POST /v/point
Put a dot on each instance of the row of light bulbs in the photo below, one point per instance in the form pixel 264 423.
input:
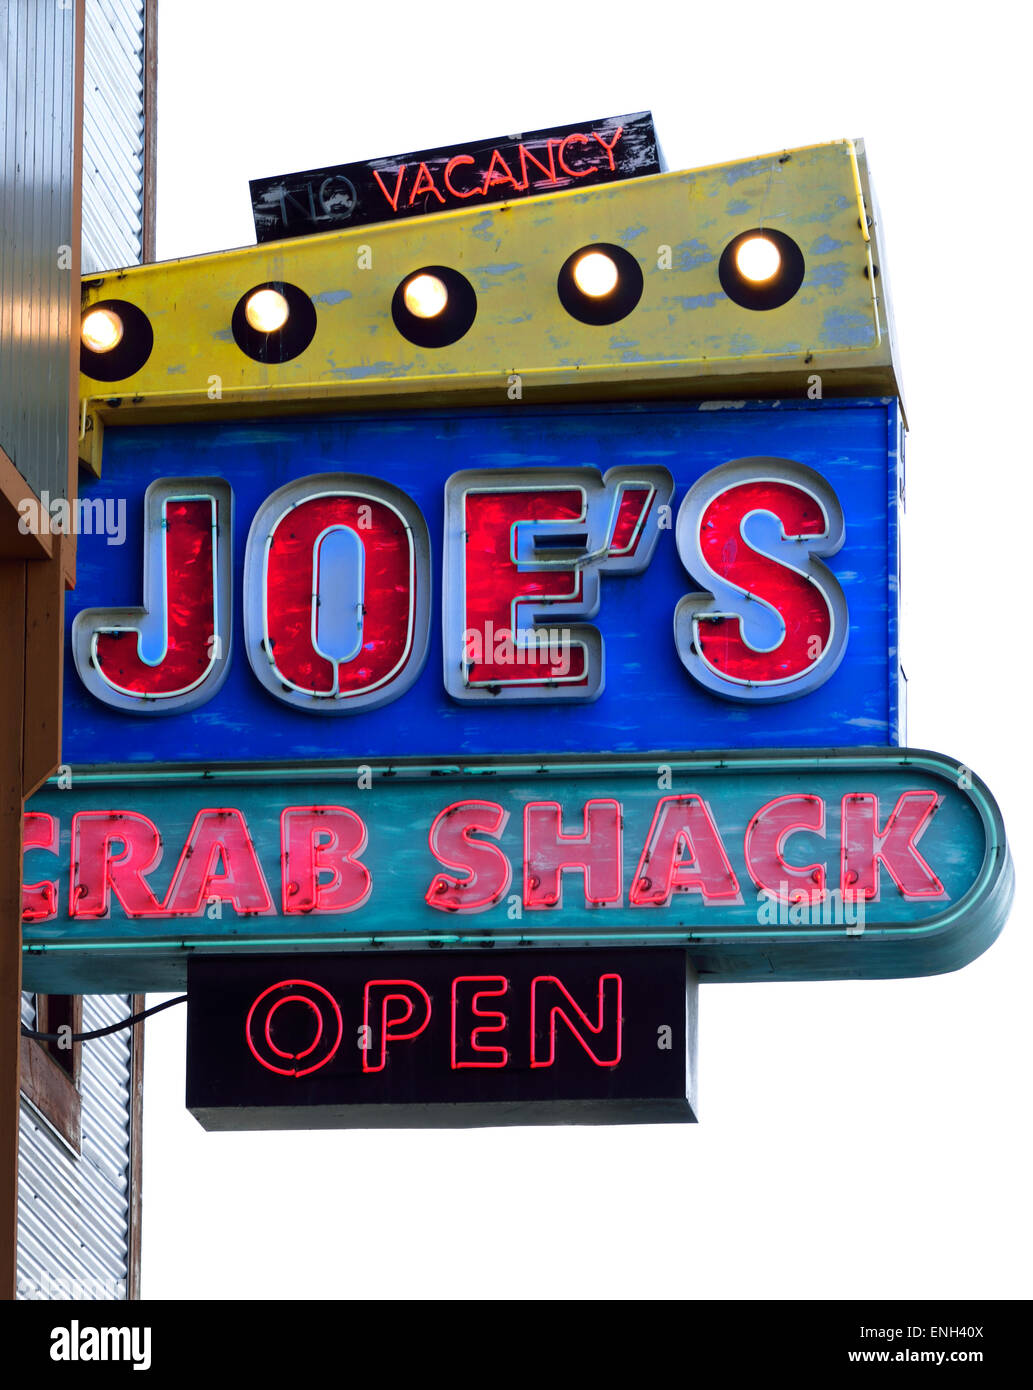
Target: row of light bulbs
pixel 595 274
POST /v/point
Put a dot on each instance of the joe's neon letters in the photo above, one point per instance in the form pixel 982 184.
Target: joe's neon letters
pixel 338 578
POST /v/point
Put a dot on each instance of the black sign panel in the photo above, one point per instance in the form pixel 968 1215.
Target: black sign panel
pixel 441 1039
pixel 455 176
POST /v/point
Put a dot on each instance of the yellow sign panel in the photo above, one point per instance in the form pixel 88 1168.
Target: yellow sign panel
pixel 684 293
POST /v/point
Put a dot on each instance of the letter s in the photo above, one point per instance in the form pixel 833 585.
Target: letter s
pixel 773 622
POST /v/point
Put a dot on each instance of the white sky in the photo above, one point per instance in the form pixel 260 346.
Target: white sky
pixel 858 1140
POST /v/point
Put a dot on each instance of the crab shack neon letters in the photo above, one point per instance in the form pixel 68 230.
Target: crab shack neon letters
pixel 337 587
pixel 114 852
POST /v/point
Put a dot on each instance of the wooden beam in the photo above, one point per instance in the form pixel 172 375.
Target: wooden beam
pixel 20 505
pixel 44 668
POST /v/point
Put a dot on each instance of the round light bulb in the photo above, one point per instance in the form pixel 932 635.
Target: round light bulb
pixel 425 296
pixel 758 259
pixel 266 311
pixel 595 274
pixel 101 330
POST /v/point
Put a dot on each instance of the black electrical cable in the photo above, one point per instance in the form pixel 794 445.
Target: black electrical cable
pixel 102 1032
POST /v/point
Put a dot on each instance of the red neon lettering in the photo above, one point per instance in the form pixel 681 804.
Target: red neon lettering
pixel 610 1021
pixel 188 607
pixel 596 852
pixel 492 1056
pixel 405 992
pixel 864 846
pixel 95 868
pixel 490 178
pixel 574 173
pixel 398 187
pixel 496 588
pixel 311 645
pixel 264 1032
pixel 457 193
pixel 801 605
pixel 218 836
pixel 317 840
pixel 683 823
pixel 424 184
pixel 39 900
pixel 488 870
pixel 631 515
pixel 609 148
pixel 765 840
pixel 549 170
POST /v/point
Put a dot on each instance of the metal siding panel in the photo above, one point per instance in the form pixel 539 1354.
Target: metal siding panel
pixel 113 135
pixel 73 1222
pixel 37 52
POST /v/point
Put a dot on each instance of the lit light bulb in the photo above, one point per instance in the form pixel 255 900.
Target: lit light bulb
pixel 425 296
pixel 266 311
pixel 758 259
pixel 101 330
pixel 595 274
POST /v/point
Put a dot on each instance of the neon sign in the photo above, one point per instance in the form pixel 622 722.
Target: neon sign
pixel 868 861
pixel 454 176
pixel 671 572
pixel 337 588
pixel 411 1040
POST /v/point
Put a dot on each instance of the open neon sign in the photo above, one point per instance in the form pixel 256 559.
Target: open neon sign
pixel 337 587
pixel 411 1039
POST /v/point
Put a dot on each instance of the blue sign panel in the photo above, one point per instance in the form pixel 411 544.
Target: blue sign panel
pixel 456 584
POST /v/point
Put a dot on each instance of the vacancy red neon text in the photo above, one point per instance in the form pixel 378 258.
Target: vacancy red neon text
pixel 559 160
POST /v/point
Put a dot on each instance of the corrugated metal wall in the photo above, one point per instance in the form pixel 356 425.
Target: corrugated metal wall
pixel 113 135
pixel 73 1215
pixel 73 1211
pixel 37 129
